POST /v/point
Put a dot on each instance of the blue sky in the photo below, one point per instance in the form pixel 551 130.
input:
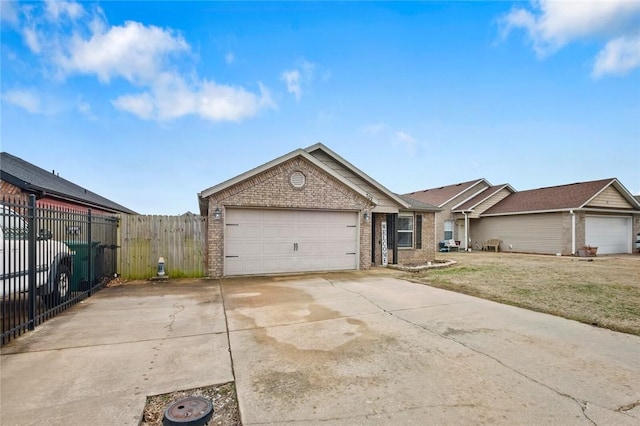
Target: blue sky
pixel 149 103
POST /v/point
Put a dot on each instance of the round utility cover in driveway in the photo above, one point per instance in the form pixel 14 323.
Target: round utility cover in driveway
pixel 193 411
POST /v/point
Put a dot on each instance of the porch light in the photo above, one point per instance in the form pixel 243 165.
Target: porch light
pixel 367 216
pixel 217 214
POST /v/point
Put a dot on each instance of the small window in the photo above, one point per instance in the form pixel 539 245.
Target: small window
pixel 448 230
pixel 405 231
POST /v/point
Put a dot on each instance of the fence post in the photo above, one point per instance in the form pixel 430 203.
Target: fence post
pixel 89 247
pixel 31 259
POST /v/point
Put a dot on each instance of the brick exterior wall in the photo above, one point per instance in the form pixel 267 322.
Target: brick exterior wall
pixel 427 253
pixel 409 256
pixel 272 189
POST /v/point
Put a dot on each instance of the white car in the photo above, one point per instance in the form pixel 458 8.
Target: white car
pixel 53 261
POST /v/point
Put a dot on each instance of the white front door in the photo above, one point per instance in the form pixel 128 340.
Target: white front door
pixel 263 241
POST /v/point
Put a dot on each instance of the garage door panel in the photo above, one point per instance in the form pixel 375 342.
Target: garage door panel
pixel 611 234
pixel 277 231
pixel 249 231
pixel 276 241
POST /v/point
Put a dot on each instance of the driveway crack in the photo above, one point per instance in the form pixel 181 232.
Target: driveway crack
pixel 626 408
pixel 582 404
pixel 172 317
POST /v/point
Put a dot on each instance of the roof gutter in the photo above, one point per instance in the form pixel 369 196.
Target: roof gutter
pixel 586 209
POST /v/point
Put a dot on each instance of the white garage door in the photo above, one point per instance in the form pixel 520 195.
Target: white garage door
pixel 609 234
pixel 277 241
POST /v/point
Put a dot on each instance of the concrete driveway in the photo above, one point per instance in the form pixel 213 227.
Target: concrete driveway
pixel 330 349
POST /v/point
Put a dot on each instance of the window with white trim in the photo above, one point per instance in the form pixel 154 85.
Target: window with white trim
pixel 448 230
pixel 405 231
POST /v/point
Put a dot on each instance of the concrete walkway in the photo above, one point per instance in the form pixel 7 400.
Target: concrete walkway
pixel 330 349
pixel 96 363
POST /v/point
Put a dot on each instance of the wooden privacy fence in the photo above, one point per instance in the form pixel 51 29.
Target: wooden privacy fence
pixel 180 240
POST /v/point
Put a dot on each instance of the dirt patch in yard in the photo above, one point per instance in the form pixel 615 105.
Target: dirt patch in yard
pixel 602 291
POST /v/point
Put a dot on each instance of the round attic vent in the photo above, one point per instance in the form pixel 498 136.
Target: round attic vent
pixel 297 179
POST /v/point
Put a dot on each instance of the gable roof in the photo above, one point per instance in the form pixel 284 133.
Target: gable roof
pixel 481 197
pixel 418 206
pixel 202 196
pixel 557 198
pixel 306 153
pixel 444 194
pixel 395 197
pixel 31 178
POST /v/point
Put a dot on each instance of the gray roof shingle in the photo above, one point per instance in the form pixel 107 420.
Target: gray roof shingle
pixel 440 196
pixel 33 178
pixel 553 198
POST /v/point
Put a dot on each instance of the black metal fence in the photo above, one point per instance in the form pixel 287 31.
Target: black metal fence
pixel 51 258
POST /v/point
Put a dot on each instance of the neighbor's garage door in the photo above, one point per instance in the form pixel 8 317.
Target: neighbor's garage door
pixel 609 234
pixel 274 241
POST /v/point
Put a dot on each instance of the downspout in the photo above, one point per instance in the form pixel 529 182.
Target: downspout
pixel 466 231
pixel 573 232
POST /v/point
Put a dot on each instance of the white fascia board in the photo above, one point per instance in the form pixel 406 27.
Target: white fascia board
pixel 526 212
pixel 298 152
pixel 468 198
pixel 458 194
pixel 617 211
pixel 621 189
pixel 483 199
pixel 358 172
pixel 587 209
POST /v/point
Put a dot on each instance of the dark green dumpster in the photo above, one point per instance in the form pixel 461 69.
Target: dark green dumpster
pixel 80 275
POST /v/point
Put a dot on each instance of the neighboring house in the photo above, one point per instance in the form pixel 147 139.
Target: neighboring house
pixel 449 225
pixel 19 179
pixel 559 219
pixel 311 210
pixel 562 219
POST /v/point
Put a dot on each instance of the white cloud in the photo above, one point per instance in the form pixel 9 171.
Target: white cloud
pixel 301 75
pixel 24 99
pixel 292 80
pixel 619 57
pixel 134 51
pixel 552 24
pixel 72 40
pixel 141 105
pixel 57 9
pixel 229 58
pixel 406 140
pixel 172 97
